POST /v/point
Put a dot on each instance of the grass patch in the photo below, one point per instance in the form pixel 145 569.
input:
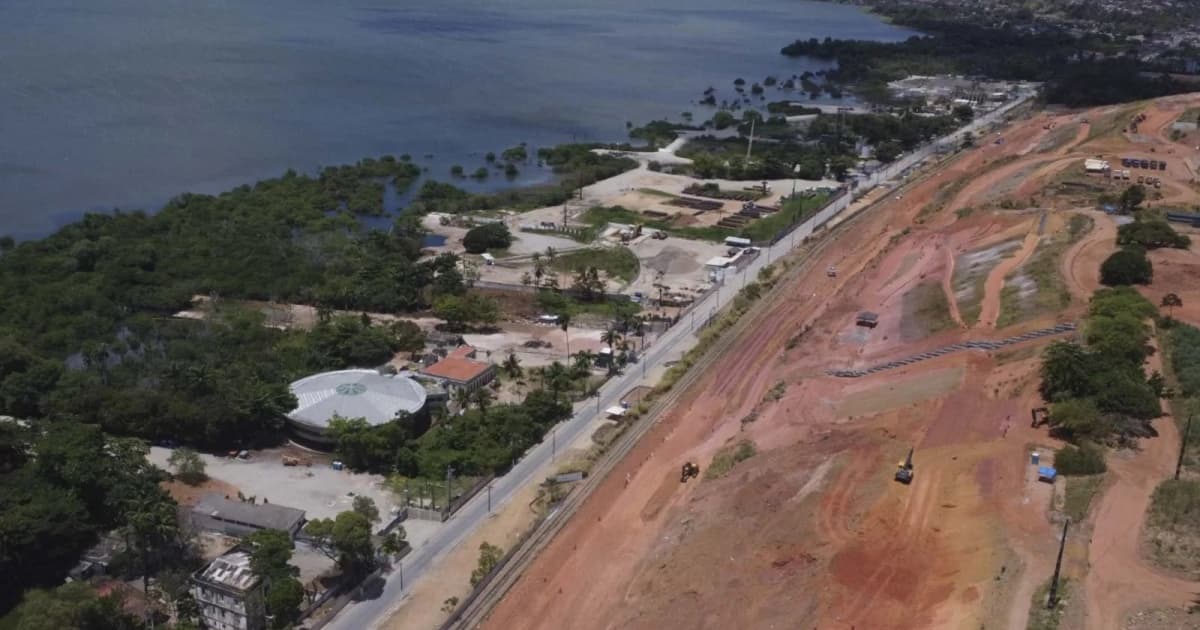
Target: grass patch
pixel 728 457
pixel 971 270
pixel 1113 122
pixel 1058 138
pixel 776 392
pixel 657 193
pixel 1041 617
pixel 926 311
pixel 1079 495
pixel 794 211
pixel 616 262
pixel 1173 529
pixel 597 217
pixel 1046 292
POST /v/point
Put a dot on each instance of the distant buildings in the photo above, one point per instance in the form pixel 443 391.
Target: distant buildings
pixel 235 517
pixel 229 594
pixel 460 370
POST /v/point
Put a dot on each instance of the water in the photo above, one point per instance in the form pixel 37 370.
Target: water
pixel 126 103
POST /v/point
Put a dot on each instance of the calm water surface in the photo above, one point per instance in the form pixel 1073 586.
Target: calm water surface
pixel 107 103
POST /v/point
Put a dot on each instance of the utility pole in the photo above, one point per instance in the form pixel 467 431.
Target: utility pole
pixel 489 489
pixel 1183 447
pixel 554 444
pixel 449 472
pixel 1062 544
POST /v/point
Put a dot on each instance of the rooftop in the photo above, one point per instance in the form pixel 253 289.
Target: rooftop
pixel 457 369
pixel 355 394
pixel 263 515
pixel 231 570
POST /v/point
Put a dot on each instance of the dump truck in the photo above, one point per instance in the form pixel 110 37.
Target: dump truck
pixel 904 469
pixel 688 471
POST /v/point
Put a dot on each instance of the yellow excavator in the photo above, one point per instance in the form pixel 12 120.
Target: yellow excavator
pixel 904 469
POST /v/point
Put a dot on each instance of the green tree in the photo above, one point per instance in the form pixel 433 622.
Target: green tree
pixel 365 506
pixel 152 529
pixel 1151 234
pixel 512 365
pixel 1132 197
pixel 469 310
pixel 188 465
pixel 73 605
pixel 1066 372
pixel 489 557
pixel 1125 267
pixel 481 238
pixel 270 559
pixel 394 542
pixel 1171 301
pixel 964 113
pixel 1078 418
pixel 347 539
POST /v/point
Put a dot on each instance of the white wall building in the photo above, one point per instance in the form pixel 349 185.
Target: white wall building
pixel 229 594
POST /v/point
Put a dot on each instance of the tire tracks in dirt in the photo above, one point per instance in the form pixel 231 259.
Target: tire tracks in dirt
pixel 993 286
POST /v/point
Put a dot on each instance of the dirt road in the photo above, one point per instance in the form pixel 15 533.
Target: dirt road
pixel 1120 579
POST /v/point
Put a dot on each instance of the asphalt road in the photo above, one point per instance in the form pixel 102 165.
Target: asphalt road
pixel 371 613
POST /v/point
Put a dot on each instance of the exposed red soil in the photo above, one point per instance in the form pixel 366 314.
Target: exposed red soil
pixel 812 531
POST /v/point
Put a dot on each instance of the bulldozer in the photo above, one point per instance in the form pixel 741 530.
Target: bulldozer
pixel 688 471
pixel 904 469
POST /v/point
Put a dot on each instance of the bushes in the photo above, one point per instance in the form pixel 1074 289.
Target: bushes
pixel 1184 342
pixel 481 238
pixel 1125 267
pixel 1095 388
pixel 1151 234
pixel 1080 460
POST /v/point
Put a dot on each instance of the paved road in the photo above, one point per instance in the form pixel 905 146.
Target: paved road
pixel 371 613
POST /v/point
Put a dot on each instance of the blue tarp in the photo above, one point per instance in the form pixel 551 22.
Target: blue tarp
pixel 1047 473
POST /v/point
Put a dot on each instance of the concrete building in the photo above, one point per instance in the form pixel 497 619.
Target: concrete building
pixel 460 370
pixel 235 517
pixel 378 398
pixel 229 594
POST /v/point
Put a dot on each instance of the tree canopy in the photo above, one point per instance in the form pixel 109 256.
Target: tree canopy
pixel 1127 266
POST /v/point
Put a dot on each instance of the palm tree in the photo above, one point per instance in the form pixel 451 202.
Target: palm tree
pixel 482 397
pixel 583 362
pixel 152 524
pixel 1170 301
pixel 512 365
pixel 564 322
pixel 610 337
pixel 462 398
pixel 555 376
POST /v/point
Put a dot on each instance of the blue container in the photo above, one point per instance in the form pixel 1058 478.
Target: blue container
pixel 1034 458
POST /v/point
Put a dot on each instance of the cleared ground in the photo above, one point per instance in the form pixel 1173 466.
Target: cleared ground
pixel 811 527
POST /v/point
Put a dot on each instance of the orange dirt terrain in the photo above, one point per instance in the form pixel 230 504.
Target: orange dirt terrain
pixel 812 531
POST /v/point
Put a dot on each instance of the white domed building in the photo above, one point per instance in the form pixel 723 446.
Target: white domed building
pixel 378 398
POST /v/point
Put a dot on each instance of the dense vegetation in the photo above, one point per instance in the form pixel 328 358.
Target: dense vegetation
pixel 481 238
pixel 1127 266
pixel 575 165
pixel 1074 73
pixel 1151 233
pixel 485 439
pixel 826 147
pixel 1099 389
pixel 61 485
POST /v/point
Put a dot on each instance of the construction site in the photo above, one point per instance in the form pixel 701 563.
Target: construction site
pixel 858 451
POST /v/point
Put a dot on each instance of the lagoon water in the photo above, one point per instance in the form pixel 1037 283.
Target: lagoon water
pixel 125 103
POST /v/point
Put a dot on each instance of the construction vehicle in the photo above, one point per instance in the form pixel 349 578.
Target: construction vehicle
pixel 1039 415
pixel 831 271
pixel 904 469
pixel 688 471
pixel 659 234
pixel 289 460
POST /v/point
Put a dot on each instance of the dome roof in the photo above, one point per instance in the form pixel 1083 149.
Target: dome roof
pixel 354 394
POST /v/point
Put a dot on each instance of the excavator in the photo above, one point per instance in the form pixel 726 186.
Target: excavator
pixel 1040 416
pixel 904 469
pixel 688 471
